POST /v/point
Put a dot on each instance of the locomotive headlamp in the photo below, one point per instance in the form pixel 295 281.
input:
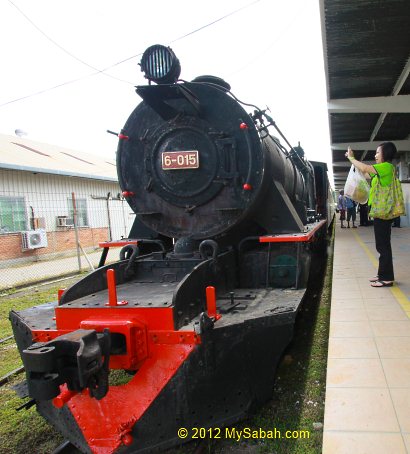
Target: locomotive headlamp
pixel 160 65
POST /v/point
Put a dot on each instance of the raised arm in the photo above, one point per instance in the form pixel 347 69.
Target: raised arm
pixel 365 168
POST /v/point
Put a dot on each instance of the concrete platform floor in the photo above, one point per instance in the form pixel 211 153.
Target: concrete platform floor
pixel 367 408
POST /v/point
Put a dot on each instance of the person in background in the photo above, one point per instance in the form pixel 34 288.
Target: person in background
pixel 382 228
pixel 364 214
pixel 341 206
pixel 351 212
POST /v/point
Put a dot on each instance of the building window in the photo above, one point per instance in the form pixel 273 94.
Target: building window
pixel 12 214
pixel 82 216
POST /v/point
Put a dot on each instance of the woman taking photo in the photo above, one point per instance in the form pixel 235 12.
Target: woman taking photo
pixel 385 172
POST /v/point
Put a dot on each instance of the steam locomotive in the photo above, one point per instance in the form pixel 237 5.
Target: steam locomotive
pixel 203 300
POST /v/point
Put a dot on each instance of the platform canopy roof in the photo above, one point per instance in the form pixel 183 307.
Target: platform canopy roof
pixel 366 47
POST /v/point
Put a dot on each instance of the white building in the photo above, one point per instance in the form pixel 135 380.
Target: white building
pixel 39 186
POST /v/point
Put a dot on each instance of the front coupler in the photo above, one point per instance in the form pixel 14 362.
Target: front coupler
pixel 79 358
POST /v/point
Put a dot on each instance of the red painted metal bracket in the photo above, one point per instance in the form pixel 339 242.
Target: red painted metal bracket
pixel 174 337
pixel 302 237
pixel 118 243
pixel 135 335
pixel 106 247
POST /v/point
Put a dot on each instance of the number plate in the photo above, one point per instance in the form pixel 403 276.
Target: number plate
pixel 172 160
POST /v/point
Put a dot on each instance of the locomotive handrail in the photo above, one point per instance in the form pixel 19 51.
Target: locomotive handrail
pixel 270 120
pixel 129 252
pixel 245 130
pixel 245 240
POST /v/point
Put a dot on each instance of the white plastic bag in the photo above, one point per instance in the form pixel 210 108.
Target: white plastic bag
pixel 356 187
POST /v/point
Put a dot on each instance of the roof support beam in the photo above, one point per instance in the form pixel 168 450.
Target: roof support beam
pixel 402 145
pixel 396 90
pixel 380 104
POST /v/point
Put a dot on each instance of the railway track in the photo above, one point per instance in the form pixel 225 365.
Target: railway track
pixel 66 448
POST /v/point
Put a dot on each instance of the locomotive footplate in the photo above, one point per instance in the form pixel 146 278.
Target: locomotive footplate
pixel 243 305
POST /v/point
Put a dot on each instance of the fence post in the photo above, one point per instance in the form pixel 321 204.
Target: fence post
pixel 109 217
pixel 77 242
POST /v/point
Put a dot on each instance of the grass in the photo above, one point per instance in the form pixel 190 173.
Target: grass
pixel 21 430
pixel 10 358
pixel 297 404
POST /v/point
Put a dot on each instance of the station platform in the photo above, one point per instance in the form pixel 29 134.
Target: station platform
pixel 367 407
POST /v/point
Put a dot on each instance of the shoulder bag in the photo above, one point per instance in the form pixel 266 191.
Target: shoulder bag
pixel 388 201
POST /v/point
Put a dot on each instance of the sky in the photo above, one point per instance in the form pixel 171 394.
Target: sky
pixel 69 68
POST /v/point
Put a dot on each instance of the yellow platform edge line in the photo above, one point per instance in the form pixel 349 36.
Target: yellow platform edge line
pixel 396 291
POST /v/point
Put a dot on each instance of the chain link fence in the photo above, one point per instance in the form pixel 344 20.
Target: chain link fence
pixel 47 235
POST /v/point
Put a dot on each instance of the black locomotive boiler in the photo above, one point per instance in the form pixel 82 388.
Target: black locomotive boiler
pixel 203 300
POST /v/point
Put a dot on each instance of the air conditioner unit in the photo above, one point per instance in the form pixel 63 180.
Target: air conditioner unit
pixel 64 221
pixel 61 221
pixel 34 239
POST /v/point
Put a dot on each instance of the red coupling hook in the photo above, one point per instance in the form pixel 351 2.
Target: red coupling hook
pixel 243 126
pixel 247 187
